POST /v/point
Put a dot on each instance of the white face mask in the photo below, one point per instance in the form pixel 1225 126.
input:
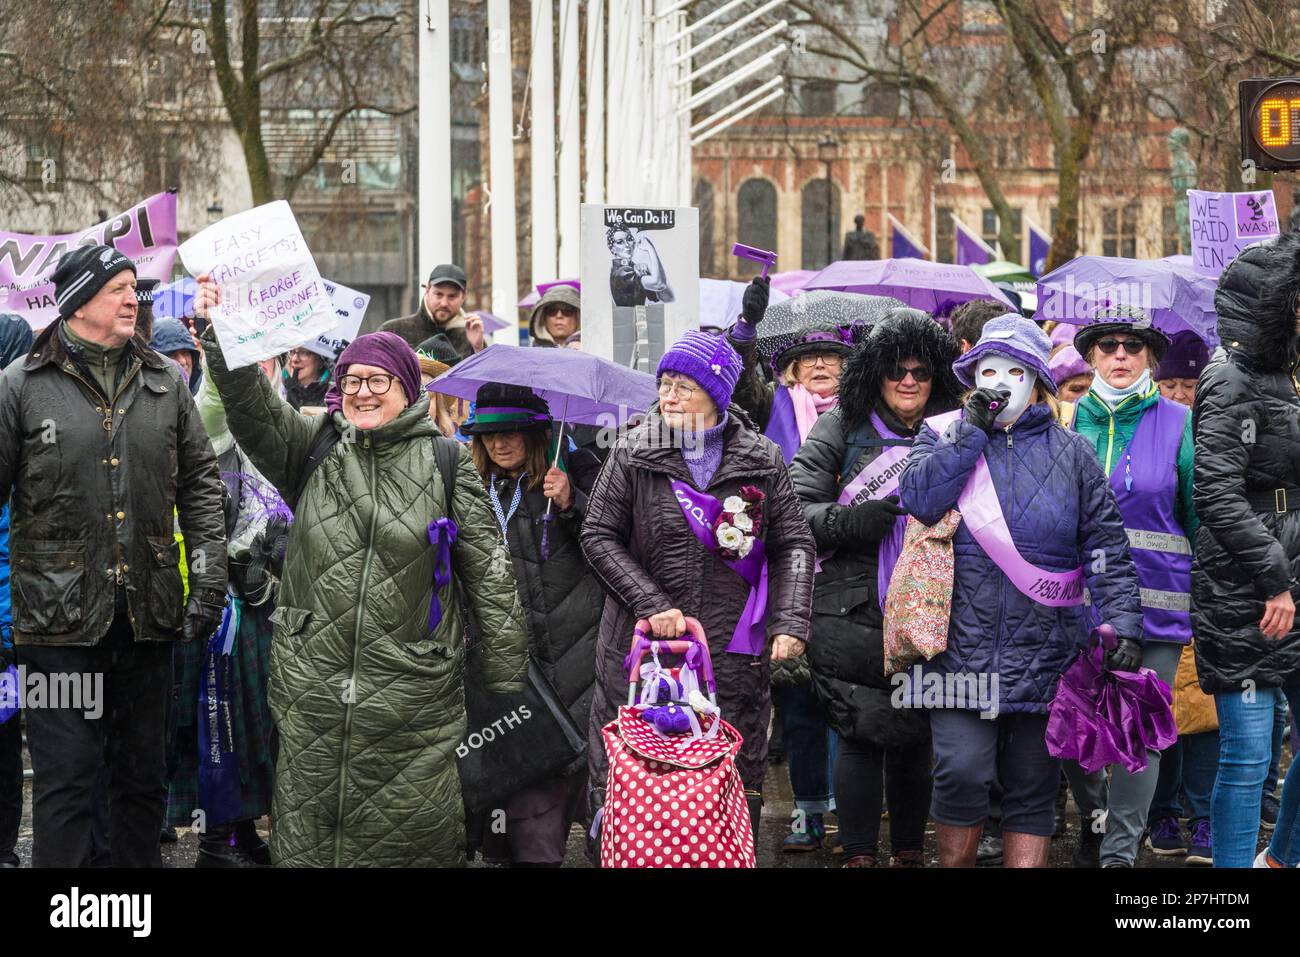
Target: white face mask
pixel 1004 374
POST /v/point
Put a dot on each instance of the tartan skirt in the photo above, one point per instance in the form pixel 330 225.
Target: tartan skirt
pixel 254 731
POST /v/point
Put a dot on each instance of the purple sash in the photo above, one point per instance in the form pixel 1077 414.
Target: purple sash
pixel 701 510
pixel 879 479
pixel 782 426
pixel 442 533
pixel 981 513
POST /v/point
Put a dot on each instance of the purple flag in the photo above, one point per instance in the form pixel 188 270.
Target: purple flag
pixel 971 249
pixel 902 244
pixel 1040 244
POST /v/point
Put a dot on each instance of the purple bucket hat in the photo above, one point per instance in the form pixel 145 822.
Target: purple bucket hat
pixel 1016 337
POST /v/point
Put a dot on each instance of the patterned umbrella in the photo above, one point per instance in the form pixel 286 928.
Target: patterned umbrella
pixel 786 321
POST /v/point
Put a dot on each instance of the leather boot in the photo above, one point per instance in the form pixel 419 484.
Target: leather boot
pixel 755 802
pixel 217 849
pixel 246 837
pixel 957 845
pixel 1024 850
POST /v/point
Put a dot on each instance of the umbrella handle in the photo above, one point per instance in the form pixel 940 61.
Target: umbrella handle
pixel 559 442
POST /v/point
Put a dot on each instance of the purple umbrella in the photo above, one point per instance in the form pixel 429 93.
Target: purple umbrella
pixel 530 300
pixel 578 386
pixel 1175 298
pixel 491 323
pixel 792 281
pixel 931 287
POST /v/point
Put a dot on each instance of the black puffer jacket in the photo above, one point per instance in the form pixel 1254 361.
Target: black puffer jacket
pixel 561 597
pixel 847 651
pixel 1247 428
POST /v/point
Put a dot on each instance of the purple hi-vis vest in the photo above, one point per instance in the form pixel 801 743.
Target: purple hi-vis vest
pixel 1145 482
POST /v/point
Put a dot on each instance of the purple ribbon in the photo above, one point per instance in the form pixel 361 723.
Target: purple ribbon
pixel 701 510
pixel 442 533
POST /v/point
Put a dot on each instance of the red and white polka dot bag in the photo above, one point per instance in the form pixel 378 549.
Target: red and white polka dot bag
pixel 673 801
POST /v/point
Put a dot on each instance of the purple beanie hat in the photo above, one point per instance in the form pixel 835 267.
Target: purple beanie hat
pixel 385 350
pixel 1016 337
pixel 1186 358
pixel 709 360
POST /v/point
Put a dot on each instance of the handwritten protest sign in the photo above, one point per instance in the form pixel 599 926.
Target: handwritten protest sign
pixel 272 296
pixel 1223 224
pixel 350 307
pixel 146 233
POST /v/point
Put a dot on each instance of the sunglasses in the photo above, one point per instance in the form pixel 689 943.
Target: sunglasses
pixel 1109 345
pixel 918 373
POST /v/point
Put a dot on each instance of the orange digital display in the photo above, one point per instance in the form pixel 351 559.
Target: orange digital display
pixel 1277 121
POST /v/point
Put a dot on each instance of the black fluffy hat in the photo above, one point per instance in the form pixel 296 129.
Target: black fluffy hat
pixel 84 271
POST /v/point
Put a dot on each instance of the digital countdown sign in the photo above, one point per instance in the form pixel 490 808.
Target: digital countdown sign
pixel 1270 122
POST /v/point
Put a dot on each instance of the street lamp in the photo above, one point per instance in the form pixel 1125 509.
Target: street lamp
pixel 828 149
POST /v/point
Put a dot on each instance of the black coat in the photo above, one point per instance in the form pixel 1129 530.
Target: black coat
pixel 1246 423
pixel 561 597
pixel 846 651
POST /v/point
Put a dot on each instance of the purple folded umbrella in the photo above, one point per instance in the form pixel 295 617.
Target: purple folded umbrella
pixel 577 386
pixel 1176 298
pixel 921 284
pixel 1101 717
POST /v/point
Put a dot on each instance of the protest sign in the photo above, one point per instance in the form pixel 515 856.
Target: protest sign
pixel 146 233
pixel 350 307
pixel 1223 224
pixel 272 295
pixel 640 274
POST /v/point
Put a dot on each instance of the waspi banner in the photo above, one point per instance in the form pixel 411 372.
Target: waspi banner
pixel 146 233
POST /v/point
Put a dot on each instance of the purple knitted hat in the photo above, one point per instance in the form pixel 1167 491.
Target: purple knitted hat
pixel 1185 359
pixel 385 350
pixel 1016 337
pixel 709 360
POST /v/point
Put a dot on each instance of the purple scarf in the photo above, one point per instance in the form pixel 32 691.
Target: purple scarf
pixel 701 510
pixel 783 422
pixel 891 546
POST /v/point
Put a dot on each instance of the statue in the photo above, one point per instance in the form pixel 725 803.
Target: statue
pixel 861 243
pixel 1182 174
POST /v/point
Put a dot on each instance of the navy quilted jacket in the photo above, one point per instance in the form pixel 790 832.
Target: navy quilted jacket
pixel 1062 513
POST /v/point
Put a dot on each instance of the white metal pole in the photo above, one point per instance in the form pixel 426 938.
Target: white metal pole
pixel 501 169
pixel 569 191
pixel 542 154
pixel 594 188
pixel 434 210
pixel 739 101
pixel 615 116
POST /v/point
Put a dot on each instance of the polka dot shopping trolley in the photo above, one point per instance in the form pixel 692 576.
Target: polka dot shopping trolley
pixel 673 797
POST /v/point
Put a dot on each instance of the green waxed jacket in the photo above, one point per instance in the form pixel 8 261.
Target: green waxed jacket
pixel 1110 433
pixel 369 704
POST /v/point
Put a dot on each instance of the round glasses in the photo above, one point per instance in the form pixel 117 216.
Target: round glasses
pixel 668 386
pixel 377 383
pixel 831 360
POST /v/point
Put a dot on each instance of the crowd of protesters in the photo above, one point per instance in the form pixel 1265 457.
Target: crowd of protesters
pixel 254 561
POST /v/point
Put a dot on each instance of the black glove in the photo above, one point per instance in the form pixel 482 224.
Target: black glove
pixel 860 526
pixel 1126 656
pixel 203 613
pixel 754 302
pixel 978 411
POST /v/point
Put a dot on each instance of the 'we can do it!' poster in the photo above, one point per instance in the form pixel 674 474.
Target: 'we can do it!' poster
pixel 640 281
pixel 272 295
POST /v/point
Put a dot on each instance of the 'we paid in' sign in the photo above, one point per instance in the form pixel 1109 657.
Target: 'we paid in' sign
pixel 1223 224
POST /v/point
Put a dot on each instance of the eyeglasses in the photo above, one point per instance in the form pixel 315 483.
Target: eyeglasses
pixel 918 373
pixel 1109 345
pixel 832 360
pixel 377 383
pixel 668 386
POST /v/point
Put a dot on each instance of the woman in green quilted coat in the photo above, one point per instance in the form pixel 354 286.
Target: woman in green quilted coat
pixel 369 700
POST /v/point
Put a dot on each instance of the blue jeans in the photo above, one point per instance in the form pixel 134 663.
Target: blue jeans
pixel 1275 762
pixel 1188 768
pixel 1245 750
pixel 809 747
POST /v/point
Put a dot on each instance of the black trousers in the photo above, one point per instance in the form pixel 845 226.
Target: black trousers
pixel 11 787
pixel 864 773
pixel 68 748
